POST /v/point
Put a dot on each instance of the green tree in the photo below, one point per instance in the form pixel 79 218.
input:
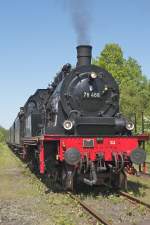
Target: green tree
pixel 134 86
pixel 111 59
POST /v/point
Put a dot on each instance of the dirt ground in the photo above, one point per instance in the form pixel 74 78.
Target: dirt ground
pixel 23 198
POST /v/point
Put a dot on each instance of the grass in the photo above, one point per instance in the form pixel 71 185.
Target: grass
pixel 19 185
pixel 7 157
pixel 139 187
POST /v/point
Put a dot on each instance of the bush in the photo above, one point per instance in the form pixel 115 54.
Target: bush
pixel 3 134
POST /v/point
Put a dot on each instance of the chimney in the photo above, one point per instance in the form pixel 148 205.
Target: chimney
pixel 84 55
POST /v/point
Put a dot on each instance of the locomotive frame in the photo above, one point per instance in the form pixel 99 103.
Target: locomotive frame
pixel 106 147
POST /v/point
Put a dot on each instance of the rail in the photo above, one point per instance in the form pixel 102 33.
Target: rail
pixel 134 199
pixel 99 217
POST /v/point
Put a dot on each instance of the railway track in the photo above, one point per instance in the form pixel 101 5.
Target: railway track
pixel 133 199
pixel 130 197
pixel 92 212
pixel 142 174
pixel 100 218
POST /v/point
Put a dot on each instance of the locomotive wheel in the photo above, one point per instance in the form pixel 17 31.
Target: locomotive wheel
pixel 119 181
pixel 52 180
pixel 65 180
pixel 33 162
pixel 68 179
pixel 33 165
pixel 123 180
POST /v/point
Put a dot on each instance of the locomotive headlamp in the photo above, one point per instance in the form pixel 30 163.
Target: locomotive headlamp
pixel 68 125
pixel 129 125
pixel 93 75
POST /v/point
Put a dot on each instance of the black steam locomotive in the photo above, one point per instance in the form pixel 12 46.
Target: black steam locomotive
pixel 75 124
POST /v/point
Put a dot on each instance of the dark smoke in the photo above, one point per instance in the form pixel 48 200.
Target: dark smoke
pixel 80 15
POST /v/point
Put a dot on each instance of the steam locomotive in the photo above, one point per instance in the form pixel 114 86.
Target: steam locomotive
pixel 73 131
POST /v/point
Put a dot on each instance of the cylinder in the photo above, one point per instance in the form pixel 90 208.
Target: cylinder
pixel 84 55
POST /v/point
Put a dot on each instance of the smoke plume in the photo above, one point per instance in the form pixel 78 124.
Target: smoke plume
pixel 80 14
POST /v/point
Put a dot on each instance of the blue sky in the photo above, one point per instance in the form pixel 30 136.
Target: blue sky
pixel 37 38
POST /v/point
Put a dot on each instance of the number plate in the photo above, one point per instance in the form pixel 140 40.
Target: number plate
pixel 88 143
pixel 91 95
